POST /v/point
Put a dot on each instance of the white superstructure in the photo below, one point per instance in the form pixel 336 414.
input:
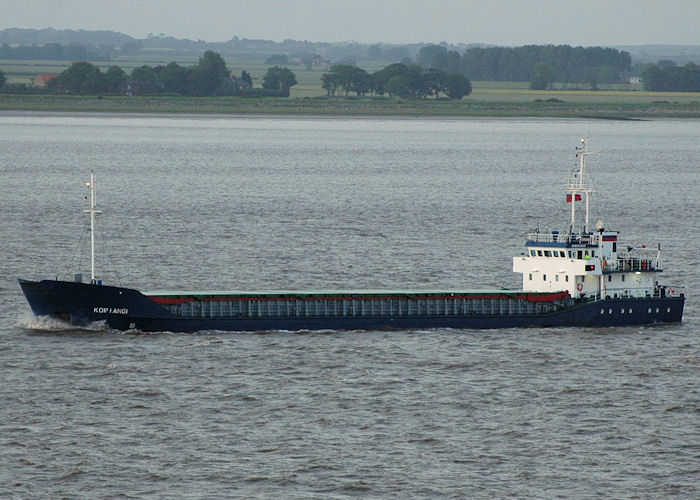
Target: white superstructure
pixel 586 263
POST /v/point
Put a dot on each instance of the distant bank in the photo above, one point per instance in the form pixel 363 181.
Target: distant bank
pixel 506 103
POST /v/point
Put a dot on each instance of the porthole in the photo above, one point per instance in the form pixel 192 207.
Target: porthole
pixel 602 311
pixel 610 311
pixel 668 309
pixel 630 310
pixel 649 311
pixel 622 311
pixel 657 309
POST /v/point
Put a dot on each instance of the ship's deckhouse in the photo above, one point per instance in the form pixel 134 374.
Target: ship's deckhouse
pixel 586 263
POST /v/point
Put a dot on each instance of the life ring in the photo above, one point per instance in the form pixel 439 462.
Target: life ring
pixel 579 287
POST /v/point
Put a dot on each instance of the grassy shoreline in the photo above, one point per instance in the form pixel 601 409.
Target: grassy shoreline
pixel 482 103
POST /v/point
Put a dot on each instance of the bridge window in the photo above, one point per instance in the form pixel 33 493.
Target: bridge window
pixel 547 253
pixel 544 277
pixel 530 276
pixel 623 277
pixel 556 277
pixel 609 278
pixel 532 253
pixel 539 253
pixel 567 278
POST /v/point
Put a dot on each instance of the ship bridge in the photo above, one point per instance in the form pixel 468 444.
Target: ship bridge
pixel 586 263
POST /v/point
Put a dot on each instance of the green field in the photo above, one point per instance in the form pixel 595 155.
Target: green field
pixel 503 103
pixel 307 97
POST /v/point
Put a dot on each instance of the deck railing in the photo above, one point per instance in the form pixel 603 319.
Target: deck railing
pixel 563 237
pixel 635 293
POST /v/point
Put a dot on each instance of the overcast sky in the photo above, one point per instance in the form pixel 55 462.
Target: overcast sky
pixel 500 22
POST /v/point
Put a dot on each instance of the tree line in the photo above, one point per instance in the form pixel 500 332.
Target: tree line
pixel 672 78
pixel 52 51
pixel 398 79
pixel 209 77
pixel 569 64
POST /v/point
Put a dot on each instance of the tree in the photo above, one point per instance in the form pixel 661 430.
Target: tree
pixel 211 69
pixel 2 79
pixel 570 64
pixel 537 82
pixel 436 81
pixel 543 77
pixel 145 80
pixel 426 55
pixel 672 78
pixel 411 83
pixel 458 86
pixel 603 74
pixel 417 83
pixel 361 81
pixel 245 76
pixel 173 77
pixel 349 78
pixel 81 77
pixel 277 59
pixel 307 60
pixel 114 78
pixel 398 85
pixel 448 61
pixel 278 78
pixel 331 82
pixel 197 82
pixel 345 76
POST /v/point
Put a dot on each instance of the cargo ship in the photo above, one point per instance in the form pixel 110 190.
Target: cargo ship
pixel 577 277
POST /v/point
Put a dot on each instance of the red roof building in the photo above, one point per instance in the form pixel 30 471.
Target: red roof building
pixel 43 78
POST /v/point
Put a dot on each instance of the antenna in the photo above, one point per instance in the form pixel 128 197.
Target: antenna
pixel 91 186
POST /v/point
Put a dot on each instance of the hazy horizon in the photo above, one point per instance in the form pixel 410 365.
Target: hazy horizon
pixel 598 22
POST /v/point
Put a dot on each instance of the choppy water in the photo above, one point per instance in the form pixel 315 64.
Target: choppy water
pixel 222 202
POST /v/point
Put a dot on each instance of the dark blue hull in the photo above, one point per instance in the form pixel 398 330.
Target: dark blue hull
pixel 128 309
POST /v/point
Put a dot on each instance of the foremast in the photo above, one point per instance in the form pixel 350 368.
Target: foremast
pixel 91 186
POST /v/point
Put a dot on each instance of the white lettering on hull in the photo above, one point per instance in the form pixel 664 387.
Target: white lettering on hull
pixel 110 310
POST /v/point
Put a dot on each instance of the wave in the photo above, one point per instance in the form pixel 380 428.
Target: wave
pixel 49 324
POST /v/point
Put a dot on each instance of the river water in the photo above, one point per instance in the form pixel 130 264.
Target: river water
pixel 208 202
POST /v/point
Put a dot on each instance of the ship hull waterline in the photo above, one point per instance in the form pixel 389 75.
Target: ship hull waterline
pixel 121 308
